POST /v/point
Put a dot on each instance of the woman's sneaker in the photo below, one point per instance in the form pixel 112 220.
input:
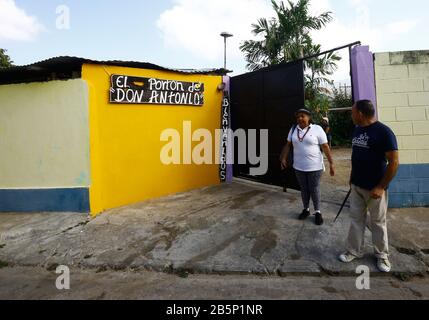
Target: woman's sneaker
pixel 304 215
pixel 347 257
pixel 319 219
pixel 384 265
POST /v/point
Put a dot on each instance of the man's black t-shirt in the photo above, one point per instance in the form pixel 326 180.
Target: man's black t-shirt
pixel 369 162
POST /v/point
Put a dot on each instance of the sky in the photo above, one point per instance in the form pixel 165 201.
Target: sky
pixel 186 33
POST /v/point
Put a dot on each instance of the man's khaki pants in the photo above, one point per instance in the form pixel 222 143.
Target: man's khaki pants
pixel 361 204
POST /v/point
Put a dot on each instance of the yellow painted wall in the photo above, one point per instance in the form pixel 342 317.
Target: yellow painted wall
pixel 44 135
pixel 125 140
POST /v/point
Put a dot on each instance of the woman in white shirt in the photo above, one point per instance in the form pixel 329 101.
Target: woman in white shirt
pixel 306 139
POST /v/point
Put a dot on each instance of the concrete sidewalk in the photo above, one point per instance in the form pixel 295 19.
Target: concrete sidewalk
pixel 237 228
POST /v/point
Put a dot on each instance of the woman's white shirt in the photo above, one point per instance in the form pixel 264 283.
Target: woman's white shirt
pixel 307 155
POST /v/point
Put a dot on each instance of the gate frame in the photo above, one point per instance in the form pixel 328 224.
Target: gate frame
pixel 350 47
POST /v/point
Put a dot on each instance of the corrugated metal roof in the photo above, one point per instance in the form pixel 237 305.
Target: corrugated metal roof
pixel 66 67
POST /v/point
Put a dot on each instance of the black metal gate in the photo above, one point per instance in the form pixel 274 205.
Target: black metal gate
pixel 268 99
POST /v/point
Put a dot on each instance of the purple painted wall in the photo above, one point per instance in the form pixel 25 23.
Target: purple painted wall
pixel 363 80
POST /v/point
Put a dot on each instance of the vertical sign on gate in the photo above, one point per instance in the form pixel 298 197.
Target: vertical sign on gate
pixel 224 138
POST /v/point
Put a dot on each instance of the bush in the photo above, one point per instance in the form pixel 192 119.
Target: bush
pixel 342 128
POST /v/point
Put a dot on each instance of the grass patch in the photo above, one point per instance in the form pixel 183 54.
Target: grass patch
pixel 3 264
pixel 404 277
pixel 52 267
pixel 182 274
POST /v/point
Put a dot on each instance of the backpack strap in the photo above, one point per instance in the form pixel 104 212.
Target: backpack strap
pixel 293 130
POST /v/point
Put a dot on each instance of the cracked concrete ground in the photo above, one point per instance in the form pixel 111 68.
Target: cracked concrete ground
pixel 237 228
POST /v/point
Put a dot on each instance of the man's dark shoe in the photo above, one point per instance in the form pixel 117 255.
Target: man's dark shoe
pixel 319 219
pixel 304 215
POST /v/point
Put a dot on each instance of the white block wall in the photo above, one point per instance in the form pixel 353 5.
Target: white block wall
pixel 402 84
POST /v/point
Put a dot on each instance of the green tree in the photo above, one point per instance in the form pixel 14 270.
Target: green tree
pixel 295 26
pixel 318 71
pixel 287 37
pixel 266 52
pixel 5 60
pixel 319 105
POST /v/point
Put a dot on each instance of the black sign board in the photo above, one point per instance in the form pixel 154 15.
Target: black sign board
pixel 139 90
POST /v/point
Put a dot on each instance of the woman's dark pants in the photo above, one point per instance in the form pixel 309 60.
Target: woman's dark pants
pixel 310 187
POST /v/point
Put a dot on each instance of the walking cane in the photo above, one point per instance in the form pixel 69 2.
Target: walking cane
pixel 342 206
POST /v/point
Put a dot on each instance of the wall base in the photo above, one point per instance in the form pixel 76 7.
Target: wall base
pixel 44 200
pixel 410 187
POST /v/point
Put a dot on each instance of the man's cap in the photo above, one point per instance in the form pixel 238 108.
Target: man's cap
pixel 305 111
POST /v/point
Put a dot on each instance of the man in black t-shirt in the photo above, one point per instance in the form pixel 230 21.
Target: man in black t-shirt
pixel 374 165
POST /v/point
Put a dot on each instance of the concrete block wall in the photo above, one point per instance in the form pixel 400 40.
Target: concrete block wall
pixel 402 85
pixel 44 147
